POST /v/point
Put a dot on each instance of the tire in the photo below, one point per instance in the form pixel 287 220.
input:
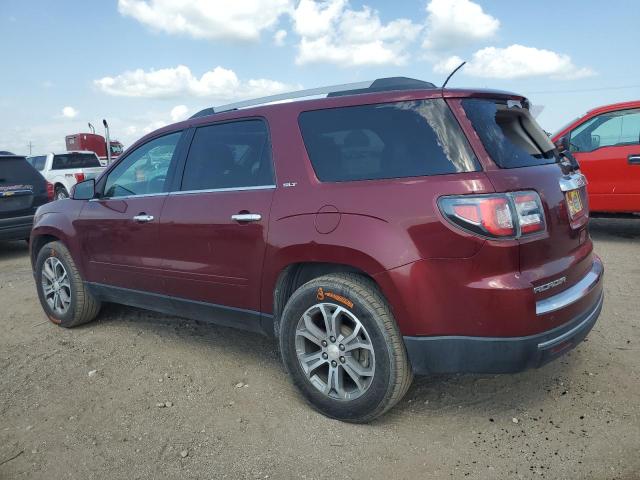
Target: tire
pixel 61 193
pixel 74 305
pixel 382 369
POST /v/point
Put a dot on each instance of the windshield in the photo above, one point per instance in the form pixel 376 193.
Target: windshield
pixel 75 160
pixel 509 133
pixel 116 149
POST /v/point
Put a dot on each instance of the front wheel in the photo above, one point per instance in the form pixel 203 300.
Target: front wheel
pixel 62 293
pixel 341 346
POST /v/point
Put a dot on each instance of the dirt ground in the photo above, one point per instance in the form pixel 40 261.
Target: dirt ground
pixel 84 403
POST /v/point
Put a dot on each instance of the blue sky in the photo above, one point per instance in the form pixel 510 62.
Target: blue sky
pixel 143 63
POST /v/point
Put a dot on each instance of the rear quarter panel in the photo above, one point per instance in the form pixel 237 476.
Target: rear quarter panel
pixel 370 225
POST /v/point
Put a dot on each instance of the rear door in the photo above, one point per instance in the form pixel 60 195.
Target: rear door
pixel 214 228
pixel 120 230
pixel 608 149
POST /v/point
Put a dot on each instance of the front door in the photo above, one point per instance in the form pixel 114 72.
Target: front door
pixel 120 230
pixel 608 149
pixel 215 227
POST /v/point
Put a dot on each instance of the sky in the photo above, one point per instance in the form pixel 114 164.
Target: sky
pixel 142 64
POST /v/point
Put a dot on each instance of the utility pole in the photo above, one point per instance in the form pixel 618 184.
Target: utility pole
pixel 30 145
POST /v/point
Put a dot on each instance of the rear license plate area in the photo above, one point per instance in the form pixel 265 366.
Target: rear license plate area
pixel 575 205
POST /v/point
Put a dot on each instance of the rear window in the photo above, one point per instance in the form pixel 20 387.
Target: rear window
pixel 390 140
pixel 509 133
pixel 75 160
pixel 17 171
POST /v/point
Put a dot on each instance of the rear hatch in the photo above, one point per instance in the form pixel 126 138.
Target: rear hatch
pixel 526 159
pixel 22 188
pixel 83 163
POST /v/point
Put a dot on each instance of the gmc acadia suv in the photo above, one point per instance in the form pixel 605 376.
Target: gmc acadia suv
pixel 381 231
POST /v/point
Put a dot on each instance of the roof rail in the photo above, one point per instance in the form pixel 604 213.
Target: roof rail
pixel 369 86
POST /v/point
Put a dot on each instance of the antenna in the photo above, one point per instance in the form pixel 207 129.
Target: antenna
pixel 451 75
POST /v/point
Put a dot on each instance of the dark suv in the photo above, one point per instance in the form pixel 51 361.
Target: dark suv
pixel 22 191
pixel 387 229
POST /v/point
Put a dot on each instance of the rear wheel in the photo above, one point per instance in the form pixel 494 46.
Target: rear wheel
pixel 62 293
pixel 342 348
pixel 61 193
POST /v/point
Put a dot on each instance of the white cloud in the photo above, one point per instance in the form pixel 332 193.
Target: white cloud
pixel 279 37
pixel 69 112
pixel 179 112
pixel 331 32
pixel 455 23
pixel 517 61
pixel 219 83
pixel 219 19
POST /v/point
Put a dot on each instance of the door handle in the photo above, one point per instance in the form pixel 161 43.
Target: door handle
pixel 246 217
pixel 143 218
pixel 634 159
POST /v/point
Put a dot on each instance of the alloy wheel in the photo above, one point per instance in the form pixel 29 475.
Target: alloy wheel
pixel 335 351
pixel 56 286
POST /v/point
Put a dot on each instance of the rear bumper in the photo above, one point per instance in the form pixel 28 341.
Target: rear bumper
pixel 461 354
pixel 17 228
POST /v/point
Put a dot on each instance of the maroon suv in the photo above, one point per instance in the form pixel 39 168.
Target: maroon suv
pixel 385 230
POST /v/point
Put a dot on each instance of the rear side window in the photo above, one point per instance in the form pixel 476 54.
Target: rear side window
pixel 390 140
pixel 229 155
pixel 509 133
pixel 75 160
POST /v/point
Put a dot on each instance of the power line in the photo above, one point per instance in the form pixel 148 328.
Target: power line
pixel 584 90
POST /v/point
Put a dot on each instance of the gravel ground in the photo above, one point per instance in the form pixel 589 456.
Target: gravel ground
pixel 141 395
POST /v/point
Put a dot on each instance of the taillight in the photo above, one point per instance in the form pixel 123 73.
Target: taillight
pixel 51 191
pixel 79 177
pixel 503 215
pixel 529 210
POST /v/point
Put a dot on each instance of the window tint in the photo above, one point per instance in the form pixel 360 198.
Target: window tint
pixel 391 140
pixel 144 170
pixel 509 133
pixel 75 160
pixel 607 130
pixel 229 155
pixel 16 170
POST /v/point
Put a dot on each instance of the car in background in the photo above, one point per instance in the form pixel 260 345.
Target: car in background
pixel 606 143
pixel 64 170
pixel 22 191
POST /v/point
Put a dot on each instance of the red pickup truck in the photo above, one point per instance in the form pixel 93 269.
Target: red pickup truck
pixel 606 143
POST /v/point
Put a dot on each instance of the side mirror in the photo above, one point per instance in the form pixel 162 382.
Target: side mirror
pixel 84 190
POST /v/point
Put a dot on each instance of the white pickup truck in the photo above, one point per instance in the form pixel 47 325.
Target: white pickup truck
pixel 64 170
